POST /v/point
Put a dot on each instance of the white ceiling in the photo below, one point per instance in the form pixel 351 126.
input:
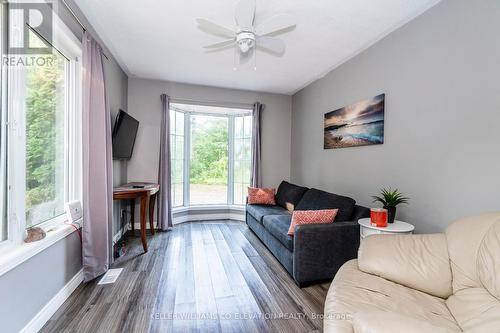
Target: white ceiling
pixel 159 39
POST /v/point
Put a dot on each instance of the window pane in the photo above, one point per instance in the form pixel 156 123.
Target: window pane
pixel 172 146
pixel 238 194
pixel 247 152
pixel 242 156
pixel 246 172
pixel 45 139
pixel 238 127
pixel 177 157
pixel 179 194
pixel 179 123
pixel 237 172
pixel 238 149
pixel 209 160
pixel 248 127
pixel 179 171
pixel 173 115
pixel 179 147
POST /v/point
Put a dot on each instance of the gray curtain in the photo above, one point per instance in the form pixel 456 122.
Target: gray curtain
pixel 164 202
pixel 256 172
pixel 97 163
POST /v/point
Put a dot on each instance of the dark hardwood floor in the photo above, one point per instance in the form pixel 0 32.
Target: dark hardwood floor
pixel 199 277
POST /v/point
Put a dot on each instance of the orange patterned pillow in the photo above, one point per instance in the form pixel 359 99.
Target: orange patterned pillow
pixel 261 196
pixel 321 216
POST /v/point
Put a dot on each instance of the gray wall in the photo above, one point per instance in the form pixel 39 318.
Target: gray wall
pixel 440 74
pixel 144 104
pixel 27 288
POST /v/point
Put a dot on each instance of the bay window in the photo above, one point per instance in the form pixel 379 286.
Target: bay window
pixel 211 158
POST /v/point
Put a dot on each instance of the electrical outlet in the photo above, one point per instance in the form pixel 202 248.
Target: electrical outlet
pixel 74 211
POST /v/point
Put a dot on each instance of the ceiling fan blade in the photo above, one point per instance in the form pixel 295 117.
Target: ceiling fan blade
pixel 215 29
pixel 222 48
pixel 271 44
pixel 219 45
pixel 276 25
pixel 245 13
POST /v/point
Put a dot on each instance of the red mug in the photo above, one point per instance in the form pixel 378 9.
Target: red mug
pixel 378 217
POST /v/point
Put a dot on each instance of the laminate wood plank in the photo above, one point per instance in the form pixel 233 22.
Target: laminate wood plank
pixel 229 322
pixel 300 319
pixel 310 300
pixel 195 270
pixel 204 294
pixel 165 299
pixel 241 240
pixel 185 278
pixel 185 303
pixel 230 240
pixel 216 233
pixel 245 305
pixel 265 299
pixel 220 282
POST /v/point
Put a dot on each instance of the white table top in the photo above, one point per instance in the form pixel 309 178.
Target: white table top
pixel 396 227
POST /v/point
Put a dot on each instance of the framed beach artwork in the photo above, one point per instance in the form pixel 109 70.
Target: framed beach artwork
pixel 359 124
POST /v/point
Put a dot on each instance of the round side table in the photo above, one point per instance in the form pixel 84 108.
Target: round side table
pixel 398 227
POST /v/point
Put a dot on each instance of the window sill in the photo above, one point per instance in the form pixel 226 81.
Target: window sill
pixel 15 254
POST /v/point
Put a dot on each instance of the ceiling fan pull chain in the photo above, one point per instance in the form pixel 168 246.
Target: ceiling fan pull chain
pixel 255 59
pixel 234 59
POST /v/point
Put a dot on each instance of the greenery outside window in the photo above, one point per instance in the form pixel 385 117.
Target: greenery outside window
pixel 41 147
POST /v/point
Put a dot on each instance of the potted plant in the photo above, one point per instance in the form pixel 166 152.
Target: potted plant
pixel 390 199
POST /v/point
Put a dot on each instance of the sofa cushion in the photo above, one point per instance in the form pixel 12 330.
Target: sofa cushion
pixel 465 239
pixel 289 195
pixel 429 271
pixel 261 196
pixel 278 225
pixel 475 310
pixel 315 199
pixel 301 217
pixel 489 260
pixel 259 211
pixel 354 291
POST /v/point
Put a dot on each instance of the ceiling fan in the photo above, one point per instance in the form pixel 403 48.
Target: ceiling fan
pixel 247 37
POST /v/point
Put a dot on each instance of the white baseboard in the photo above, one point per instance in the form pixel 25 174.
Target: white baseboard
pixel 208 217
pixel 51 307
pixel 188 218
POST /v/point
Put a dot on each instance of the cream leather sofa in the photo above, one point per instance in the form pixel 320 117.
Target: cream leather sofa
pixel 446 282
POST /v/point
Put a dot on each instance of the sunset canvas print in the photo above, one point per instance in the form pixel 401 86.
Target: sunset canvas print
pixel 359 124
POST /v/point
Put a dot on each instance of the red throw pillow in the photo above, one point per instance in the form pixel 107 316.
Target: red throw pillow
pixel 261 196
pixel 321 216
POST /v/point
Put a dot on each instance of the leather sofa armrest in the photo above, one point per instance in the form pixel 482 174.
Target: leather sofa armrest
pixel 320 250
pixel 417 261
pixel 383 322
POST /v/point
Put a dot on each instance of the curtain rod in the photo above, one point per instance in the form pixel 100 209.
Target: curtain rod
pixel 78 21
pixel 211 102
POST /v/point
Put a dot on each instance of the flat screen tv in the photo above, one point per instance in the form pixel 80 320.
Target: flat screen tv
pixel 124 133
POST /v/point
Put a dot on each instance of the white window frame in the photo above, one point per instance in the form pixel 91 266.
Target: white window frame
pixel 187 152
pixel 68 45
pixel 3 125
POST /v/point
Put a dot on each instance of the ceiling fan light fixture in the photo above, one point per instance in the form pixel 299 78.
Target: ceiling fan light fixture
pixel 245 41
pixel 246 38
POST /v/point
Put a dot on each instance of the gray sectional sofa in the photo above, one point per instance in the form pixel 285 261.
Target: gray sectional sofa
pixel 316 251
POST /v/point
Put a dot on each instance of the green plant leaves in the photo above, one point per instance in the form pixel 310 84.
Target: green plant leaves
pixel 390 198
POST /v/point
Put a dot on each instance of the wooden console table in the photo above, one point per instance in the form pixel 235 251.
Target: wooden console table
pixel 147 193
